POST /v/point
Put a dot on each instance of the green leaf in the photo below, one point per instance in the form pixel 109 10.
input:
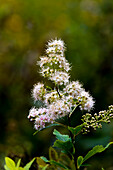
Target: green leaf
pixel 64 141
pixel 58 164
pixel 44 159
pixel 65 160
pixel 28 165
pixel 76 130
pixel 73 165
pixel 51 125
pixel 6 168
pixel 40 162
pixel 66 146
pixel 18 163
pixel 10 163
pixel 61 137
pixel 53 155
pixel 110 143
pixel 44 168
pixel 96 149
pixel 79 161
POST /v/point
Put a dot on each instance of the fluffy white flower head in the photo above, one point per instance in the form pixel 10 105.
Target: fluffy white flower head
pixel 60 77
pixel 55 47
pixel 53 43
pixel 38 91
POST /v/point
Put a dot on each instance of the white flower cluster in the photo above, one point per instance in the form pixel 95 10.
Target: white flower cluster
pixel 55 47
pixel 40 116
pixel 75 90
pixel 65 96
pixel 51 97
pixel 58 109
pixel 54 65
pixel 38 91
pixel 60 77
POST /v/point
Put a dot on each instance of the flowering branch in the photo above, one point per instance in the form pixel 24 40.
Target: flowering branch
pixel 60 101
pixel 57 103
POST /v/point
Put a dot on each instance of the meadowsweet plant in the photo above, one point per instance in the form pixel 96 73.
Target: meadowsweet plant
pixel 62 101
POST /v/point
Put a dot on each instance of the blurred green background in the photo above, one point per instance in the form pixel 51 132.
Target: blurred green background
pixel 86 26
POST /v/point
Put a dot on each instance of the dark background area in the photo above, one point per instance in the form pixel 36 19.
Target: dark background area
pixel 86 26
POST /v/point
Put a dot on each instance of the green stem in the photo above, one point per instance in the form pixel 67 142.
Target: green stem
pixel 69 123
pixel 73 141
pixel 62 125
pixel 58 91
pixel 73 110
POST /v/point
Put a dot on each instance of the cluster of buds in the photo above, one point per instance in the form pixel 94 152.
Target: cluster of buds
pixel 96 120
pixel 65 96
